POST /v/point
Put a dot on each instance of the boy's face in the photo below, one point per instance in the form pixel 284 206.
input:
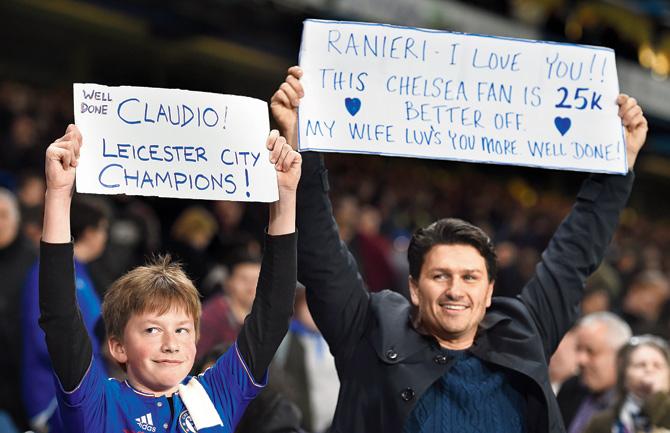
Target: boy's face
pixel 158 350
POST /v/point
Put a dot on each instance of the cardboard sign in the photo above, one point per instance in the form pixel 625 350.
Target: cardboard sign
pixel 173 143
pixel 389 90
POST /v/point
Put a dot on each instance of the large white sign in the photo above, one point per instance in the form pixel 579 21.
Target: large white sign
pixel 173 143
pixel 389 90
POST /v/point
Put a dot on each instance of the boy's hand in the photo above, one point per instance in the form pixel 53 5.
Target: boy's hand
pixel 61 159
pixel 636 126
pixel 287 162
pixel 284 105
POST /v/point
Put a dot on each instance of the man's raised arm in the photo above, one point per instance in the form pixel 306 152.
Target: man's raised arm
pixel 553 295
pixel 335 291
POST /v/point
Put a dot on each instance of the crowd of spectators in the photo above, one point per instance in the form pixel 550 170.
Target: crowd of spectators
pixel 378 203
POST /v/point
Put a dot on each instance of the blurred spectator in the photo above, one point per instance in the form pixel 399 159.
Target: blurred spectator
pixel 563 364
pixel 595 299
pixel 270 411
pixel 134 235
pixel 643 401
pixel 223 314
pixel 31 200
pixel 191 235
pixel 599 338
pixel 644 302
pixel 305 363
pixel 6 423
pixel 360 229
pixel 509 281
pixel 89 230
pixel 374 251
pixel 17 255
pixel 237 230
pixel 31 190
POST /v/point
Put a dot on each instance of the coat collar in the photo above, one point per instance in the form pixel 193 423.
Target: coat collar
pixel 396 338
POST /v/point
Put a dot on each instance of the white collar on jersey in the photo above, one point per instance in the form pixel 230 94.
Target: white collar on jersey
pixel 199 405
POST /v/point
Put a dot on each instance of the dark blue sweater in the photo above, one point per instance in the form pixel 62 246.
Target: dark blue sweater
pixel 471 397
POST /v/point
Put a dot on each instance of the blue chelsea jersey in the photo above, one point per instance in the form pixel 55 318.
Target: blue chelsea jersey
pixel 100 404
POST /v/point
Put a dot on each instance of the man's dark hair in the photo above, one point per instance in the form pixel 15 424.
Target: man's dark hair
pixel 241 257
pixel 86 212
pixel 450 231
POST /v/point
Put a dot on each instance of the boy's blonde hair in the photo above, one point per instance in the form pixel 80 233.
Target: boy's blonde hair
pixel 157 287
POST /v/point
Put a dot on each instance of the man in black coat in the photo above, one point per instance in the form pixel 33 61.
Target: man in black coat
pixel 455 358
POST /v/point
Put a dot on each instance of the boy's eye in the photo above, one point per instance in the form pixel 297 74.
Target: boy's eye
pixel 152 330
pixel 183 331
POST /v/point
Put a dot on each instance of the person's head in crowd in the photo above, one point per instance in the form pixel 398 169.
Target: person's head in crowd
pixel 347 215
pixel 31 224
pixel 644 367
pixel 627 261
pixel 370 220
pixel 643 399
pixel 10 217
pixel 31 190
pixel 563 363
pixel 196 227
pixel 452 266
pixel 240 286
pixel 89 225
pixel 152 319
pixel 228 214
pixel 24 132
pixel 599 338
pixel 595 299
pixel 605 278
pixel 647 295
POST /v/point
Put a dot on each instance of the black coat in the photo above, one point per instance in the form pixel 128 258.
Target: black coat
pixel 385 365
pixel 570 397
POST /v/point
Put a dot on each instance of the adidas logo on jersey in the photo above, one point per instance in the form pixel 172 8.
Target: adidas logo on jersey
pixel 146 423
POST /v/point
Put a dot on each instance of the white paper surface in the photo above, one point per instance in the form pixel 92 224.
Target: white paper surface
pixel 173 143
pixel 389 90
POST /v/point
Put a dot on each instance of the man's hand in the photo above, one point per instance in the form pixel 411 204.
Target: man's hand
pixel 61 159
pixel 636 126
pixel 287 162
pixel 284 105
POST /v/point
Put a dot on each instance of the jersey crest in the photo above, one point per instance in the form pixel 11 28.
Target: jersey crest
pixel 186 423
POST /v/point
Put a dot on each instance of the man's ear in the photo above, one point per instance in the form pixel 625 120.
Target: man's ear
pixel 414 291
pixel 489 295
pixel 117 350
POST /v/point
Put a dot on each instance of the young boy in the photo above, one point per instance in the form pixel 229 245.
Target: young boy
pixel 152 316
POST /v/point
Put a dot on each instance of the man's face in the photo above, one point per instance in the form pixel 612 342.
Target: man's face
pixel 596 357
pixel 241 285
pixel 9 222
pixel 452 294
pixel 158 350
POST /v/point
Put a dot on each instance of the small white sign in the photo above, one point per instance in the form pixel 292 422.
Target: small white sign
pixel 173 143
pixel 390 90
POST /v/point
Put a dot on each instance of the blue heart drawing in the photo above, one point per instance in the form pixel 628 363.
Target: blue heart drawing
pixel 353 105
pixel 562 124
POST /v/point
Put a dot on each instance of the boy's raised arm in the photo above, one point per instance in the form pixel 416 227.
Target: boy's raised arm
pixel 68 343
pixel 267 323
